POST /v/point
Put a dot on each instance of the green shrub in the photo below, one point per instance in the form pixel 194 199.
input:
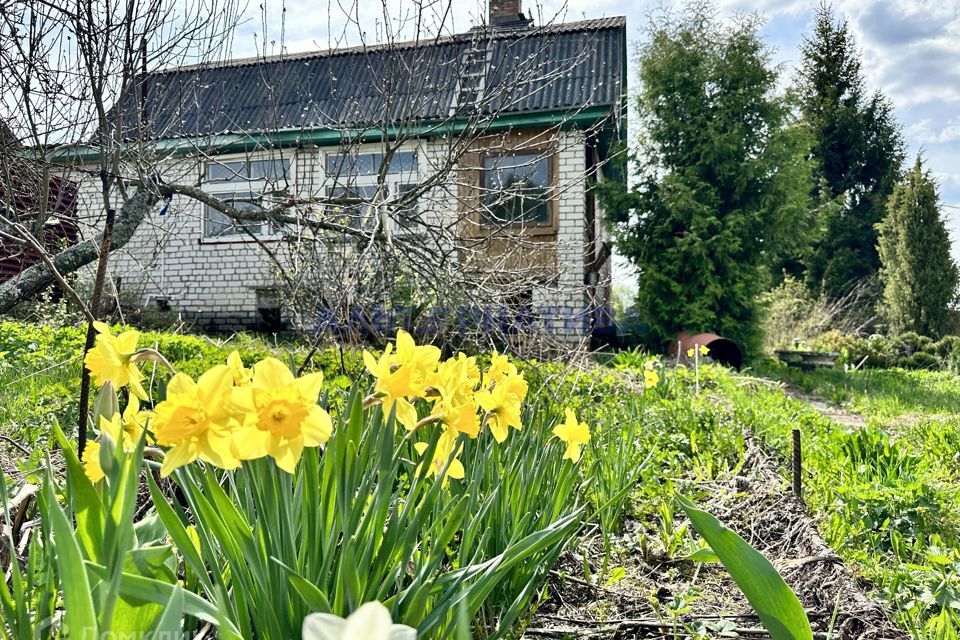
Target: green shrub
pixel 921 360
pixel 907 350
pixel 853 349
pixel 946 346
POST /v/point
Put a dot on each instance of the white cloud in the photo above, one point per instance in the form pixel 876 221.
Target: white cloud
pixel 928 131
pixel 911 48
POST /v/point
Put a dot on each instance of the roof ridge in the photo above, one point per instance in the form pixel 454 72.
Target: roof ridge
pixel 591 24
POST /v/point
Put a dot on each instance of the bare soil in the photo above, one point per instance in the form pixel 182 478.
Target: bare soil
pixel 758 504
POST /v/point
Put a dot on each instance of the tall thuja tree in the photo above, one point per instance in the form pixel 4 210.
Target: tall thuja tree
pixel 721 182
pixel 918 273
pixel 858 151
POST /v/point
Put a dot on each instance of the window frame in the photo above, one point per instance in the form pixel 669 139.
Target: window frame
pixel 540 154
pixel 516 143
pixel 394 182
pixel 268 232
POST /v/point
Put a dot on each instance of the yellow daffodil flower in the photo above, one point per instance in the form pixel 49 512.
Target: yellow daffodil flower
pixel 516 384
pixel 393 387
pixel 134 422
pixel 110 360
pixel 650 379
pixel 473 371
pixel 500 367
pixel 452 391
pixel 126 428
pixel 456 378
pixel 91 462
pixel 283 416
pixel 703 349
pixel 445 448
pixel 461 418
pixel 241 374
pixel 574 433
pixel 419 362
pixel 422 358
pixel 503 410
pixel 197 420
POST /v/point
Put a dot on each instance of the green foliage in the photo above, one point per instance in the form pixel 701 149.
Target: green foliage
pixel 722 180
pixel 360 521
pixel 858 151
pixel 792 312
pixel 919 274
pixel 40 370
pixel 887 502
pixel 778 607
pixel 254 550
pixel 908 350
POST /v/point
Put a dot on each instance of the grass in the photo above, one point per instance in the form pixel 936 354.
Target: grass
pixel 886 499
pixel 887 495
pixel 40 370
pixel 877 393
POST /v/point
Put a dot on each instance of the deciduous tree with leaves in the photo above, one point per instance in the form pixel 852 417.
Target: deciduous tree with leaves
pixel 919 275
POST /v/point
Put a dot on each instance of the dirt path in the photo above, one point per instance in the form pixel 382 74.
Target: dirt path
pixel 827 409
pixel 658 590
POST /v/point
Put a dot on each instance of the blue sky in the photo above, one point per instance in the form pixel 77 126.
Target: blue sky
pixel 911 50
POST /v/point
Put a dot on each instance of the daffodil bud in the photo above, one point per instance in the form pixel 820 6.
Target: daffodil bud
pixel 108 454
pixel 106 405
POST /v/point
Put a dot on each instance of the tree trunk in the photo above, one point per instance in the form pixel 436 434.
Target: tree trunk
pixel 32 281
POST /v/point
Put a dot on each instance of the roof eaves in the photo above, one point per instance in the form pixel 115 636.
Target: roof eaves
pixel 228 142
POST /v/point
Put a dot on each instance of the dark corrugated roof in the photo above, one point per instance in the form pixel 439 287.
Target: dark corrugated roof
pixel 560 67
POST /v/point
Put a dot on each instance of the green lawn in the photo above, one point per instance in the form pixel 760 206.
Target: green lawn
pixel 877 393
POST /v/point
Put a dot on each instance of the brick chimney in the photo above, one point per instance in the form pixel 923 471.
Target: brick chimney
pixel 508 14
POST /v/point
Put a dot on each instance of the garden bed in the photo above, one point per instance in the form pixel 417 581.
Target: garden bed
pixel 658 591
pixel 657 433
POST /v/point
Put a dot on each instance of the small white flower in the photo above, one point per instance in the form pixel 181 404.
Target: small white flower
pixel 370 622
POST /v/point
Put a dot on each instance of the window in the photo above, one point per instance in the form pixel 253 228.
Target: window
pixel 355 176
pixel 515 189
pixel 247 185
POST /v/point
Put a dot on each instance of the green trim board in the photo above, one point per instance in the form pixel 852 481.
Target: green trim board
pixel 236 143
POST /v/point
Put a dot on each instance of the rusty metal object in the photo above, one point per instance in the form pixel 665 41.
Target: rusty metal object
pixel 722 350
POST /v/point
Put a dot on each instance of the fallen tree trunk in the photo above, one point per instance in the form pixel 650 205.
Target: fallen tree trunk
pixel 32 281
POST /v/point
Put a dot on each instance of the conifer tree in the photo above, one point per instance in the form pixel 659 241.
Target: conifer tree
pixel 919 274
pixel 722 183
pixel 858 150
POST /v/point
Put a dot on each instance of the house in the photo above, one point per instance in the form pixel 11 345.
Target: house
pixel 45 205
pixel 517 119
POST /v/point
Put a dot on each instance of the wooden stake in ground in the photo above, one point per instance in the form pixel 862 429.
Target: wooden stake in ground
pixel 797 466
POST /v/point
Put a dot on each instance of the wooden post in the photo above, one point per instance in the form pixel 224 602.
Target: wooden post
pixel 797 466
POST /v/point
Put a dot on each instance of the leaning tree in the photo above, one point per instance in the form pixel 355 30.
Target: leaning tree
pixel 92 92
pixel 82 97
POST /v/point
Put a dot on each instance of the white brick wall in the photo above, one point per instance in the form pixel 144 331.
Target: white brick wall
pixel 215 281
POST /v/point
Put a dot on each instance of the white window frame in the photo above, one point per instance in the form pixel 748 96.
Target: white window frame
pixel 242 187
pixel 337 177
